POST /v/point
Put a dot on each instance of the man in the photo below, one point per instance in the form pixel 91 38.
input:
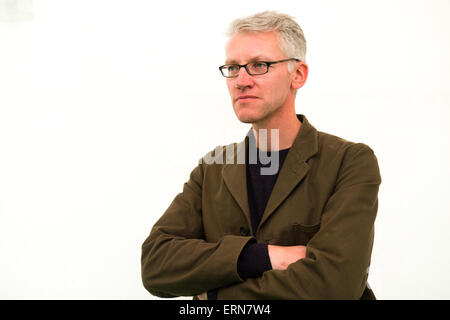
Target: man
pixel 302 230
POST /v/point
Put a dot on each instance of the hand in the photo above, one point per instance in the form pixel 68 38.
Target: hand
pixel 282 256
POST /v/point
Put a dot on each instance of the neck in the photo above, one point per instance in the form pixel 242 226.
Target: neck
pixel 281 131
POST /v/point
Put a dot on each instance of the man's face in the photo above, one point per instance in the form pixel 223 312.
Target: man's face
pixel 256 98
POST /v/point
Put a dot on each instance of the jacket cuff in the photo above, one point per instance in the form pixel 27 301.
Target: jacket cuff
pixel 233 246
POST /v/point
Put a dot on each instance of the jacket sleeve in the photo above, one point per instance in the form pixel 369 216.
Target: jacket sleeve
pixel 176 260
pixel 338 256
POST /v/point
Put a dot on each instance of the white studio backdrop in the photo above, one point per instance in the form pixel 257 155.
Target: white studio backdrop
pixel 106 107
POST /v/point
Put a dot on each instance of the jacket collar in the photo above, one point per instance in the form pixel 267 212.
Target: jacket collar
pixel 292 172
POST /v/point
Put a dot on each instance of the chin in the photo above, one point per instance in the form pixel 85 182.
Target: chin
pixel 246 120
pixel 248 115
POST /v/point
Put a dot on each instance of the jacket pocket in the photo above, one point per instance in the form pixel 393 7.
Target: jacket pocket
pixel 304 233
pixel 295 234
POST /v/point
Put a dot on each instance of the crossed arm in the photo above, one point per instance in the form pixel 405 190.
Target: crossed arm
pixel 280 258
pixel 176 261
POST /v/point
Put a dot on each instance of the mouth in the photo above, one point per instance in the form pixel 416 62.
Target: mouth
pixel 246 98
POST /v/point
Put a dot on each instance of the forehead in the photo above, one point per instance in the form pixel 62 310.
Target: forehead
pixel 246 46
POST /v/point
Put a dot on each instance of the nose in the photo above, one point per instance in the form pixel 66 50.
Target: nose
pixel 243 79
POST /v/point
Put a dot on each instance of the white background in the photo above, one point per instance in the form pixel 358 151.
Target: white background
pixel 106 107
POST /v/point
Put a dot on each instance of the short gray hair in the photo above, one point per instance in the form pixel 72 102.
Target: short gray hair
pixel 290 35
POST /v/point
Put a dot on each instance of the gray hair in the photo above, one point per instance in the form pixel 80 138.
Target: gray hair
pixel 291 39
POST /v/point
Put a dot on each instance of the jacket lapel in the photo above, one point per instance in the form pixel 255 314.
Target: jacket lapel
pixel 294 167
pixel 235 177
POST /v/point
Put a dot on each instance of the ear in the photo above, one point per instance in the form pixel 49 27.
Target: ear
pixel 300 74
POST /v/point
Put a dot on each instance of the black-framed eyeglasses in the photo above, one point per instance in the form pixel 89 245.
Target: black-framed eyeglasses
pixel 254 68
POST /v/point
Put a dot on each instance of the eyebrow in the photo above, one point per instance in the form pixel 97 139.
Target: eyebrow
pixel 256 58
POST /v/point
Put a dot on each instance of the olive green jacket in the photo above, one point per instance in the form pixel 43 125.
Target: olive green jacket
pixel 325 197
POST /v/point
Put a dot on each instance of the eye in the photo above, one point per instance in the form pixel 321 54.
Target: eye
pixel 232 68
pixel 258 66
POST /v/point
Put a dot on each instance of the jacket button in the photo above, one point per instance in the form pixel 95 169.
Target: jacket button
pixel 244 231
